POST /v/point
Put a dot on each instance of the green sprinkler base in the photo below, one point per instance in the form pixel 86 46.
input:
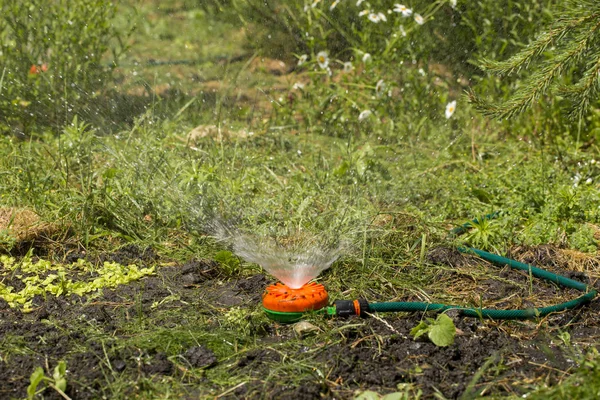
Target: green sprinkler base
pixel 283 317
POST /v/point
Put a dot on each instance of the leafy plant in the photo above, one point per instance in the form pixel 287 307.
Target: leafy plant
pixel 229 261
pixel 441 331
pixel 58 381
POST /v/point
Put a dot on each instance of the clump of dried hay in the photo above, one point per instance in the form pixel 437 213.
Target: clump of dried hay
pixel 18 225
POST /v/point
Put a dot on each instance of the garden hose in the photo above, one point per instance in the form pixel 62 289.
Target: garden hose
pixel 284 304
pixel 343 308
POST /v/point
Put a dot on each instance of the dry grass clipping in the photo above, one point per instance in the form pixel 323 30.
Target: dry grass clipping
pixel 23 225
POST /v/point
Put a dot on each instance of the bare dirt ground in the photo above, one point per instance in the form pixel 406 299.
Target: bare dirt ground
pixel 94 336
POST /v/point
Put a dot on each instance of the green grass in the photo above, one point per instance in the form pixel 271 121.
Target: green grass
pixel 390 190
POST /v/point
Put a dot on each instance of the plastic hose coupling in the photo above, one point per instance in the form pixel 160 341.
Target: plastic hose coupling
pixel 348 308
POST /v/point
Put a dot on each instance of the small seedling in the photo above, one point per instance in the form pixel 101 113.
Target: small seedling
pixel 441 331
pixel 58 381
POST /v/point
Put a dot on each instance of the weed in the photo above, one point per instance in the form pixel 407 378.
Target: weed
pixel 57 382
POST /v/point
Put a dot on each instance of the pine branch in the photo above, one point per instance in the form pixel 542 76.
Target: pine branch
pixel 587 88
pixel 523 58
pixel 576 37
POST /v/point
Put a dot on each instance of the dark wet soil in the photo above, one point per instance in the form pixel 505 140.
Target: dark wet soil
pixel 353 355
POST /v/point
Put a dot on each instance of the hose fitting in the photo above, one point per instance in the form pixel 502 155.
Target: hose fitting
pixel 348 308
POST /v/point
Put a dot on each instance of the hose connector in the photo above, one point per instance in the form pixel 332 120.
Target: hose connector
pixel 348 308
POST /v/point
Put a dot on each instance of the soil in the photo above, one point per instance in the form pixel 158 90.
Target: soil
pixel 93 336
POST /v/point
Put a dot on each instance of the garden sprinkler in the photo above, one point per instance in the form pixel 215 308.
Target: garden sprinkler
pixel 286 305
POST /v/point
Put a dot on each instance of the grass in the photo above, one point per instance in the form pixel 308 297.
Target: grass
pixel 392 192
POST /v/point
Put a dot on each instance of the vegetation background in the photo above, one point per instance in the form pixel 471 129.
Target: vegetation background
pixel 363 122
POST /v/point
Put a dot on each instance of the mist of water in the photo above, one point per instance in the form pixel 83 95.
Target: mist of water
pixel 294 261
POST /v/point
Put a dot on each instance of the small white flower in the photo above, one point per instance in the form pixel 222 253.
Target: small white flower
pixel 401 8
pixel 382 17
pixel 364 115
pixel 419 20
pixel 450 108
pixel 422 72
pixel 298 86
pixel 334 4
pixel 380 87
pixel 588 181
pixel 364 12
pixel 359 2
pixel 453 3
pixel 374 18
pixel 323 59
pixel 302 59
pixel 402 31
pixel 348 67
pixel 367 58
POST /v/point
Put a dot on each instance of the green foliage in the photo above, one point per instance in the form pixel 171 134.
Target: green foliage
pixel 441 331
pixel 58 381
pixel 400 69
pixel 583 239
pixel 52 58
pixel 46 278
pixel 573 41
pixel 229 261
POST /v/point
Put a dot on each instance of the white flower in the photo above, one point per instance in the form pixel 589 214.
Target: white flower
pixel 359 2
pixel 401 8
pixel 382 17
pixel 453 3
pixel 380 87
pixel 367 58
pixel 348 67
pixel 374 18
pixel 302 59
pixel 298 86
pixel 334 4
pixel 422 72
pixel 323 59
pixel 364 115
pixel 419 20
pixel 364 12
pixel 588 181
pixel 402 31
pixel 450 108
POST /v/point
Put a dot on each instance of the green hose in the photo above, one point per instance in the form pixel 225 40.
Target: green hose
pixel 344 307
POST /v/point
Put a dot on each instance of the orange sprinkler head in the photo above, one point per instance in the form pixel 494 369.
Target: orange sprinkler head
pixel 283 304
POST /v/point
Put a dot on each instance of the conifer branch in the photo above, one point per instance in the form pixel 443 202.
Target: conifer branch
pixel 576 37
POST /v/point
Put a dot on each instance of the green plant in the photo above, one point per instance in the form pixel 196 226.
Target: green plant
pixel 58 381
pixel 441 331
pixel 52 57
pixel 229 261
pixel 573 37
